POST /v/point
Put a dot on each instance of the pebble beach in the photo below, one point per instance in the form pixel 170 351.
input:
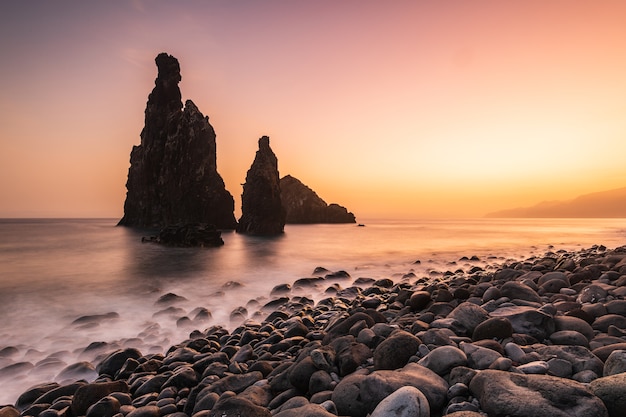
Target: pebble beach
pixel 542 336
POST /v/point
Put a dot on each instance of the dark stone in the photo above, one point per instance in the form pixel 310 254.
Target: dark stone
pixel 612 391
pixel 28 397
pixel 173 176
pixel 188 235
pixel 495 327
pixel 357 394
pixel 89 394
pixel 395 351
pixel 114 362
pixel 343 325
pixel 419 300
pixel 261 207
pixel 304 206
pixel 105 407
pixel 517 395
pixel 517 290
pixel 235 406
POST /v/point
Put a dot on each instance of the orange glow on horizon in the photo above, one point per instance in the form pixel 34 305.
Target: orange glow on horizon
pixel 404 110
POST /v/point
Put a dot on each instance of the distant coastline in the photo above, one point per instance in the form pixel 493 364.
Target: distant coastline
pixel 604 204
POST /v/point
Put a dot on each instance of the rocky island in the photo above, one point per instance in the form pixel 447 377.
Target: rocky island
pixel 173 176
pixel 303 205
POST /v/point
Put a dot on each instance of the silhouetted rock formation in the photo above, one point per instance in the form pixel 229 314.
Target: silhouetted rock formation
pixel 303 205
pixel 173 176
pixel 262 212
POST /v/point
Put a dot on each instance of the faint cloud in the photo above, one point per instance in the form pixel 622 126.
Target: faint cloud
pixel 142 58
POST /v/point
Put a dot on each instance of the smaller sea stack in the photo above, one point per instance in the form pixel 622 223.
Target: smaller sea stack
pixel 262 212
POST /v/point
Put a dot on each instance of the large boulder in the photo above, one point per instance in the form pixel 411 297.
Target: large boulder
pixel 173 176
pixel 303 205
pixel 612 391
pixel 519 395
pixel 262 212
pixel 358 394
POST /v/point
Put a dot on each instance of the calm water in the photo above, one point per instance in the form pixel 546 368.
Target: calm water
pixel 55 271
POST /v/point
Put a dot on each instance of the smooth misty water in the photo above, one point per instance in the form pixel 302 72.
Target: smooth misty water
pixel 55 271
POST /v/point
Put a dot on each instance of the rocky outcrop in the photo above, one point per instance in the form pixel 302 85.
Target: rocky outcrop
pixel 303 205
pixel 262 212
pixel 173 176
pixel 188 235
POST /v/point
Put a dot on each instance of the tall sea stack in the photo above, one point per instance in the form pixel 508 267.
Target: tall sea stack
pixel 262 212
pixel 173 176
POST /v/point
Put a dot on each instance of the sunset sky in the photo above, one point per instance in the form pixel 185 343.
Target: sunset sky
pixel 403 109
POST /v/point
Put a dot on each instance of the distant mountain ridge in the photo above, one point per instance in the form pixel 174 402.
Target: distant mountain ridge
pixel 611 203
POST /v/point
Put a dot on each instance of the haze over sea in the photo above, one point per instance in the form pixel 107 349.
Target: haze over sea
pixel 54 271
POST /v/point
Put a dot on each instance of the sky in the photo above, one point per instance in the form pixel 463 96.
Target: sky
pixel 403 109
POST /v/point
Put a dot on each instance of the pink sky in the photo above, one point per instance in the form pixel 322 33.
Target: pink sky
pixel 394 109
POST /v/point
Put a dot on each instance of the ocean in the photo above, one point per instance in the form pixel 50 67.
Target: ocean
pixel 67 283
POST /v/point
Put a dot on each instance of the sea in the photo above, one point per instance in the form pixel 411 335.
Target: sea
pixel 73 290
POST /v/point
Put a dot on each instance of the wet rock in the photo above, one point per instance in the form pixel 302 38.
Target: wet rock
pixel 603 352
pixel 612 391
pixel 145 411
pixel 105 407
pixel 615 363
pixel 235 406
pixel 343 326
pixel 9 411
pixel 469 315
pixel 580 357
pixel 592 294
pixel 511 394
pixel 395 351
pixel 114 361
pixel 527 320
pixel 519 291
pixel 261 206
pixel 419 300
pixel 573 323
pixel 404 402
pixel 28 397
pixel 569 337
pixel 89 394
pixel 442 359
pixel 187 235
pixel 351 357
pixel 308 410
pixel 493 328
pixel 77 371
pixel 479 357
pixel 358 394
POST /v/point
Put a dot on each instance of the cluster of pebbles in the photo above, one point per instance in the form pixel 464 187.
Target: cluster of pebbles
pixel 545 336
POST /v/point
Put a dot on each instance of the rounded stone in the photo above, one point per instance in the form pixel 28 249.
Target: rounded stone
pixel 612 391
pixel 419 300
pixel 569 337
pixel 404 402
pixel 615 363
pixel 395 351
pixel 493 328
pixel 442 359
